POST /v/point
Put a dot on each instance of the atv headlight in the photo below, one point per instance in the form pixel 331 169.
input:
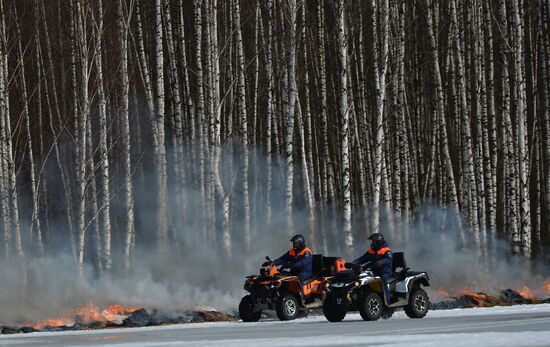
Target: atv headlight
pixel 327 285
pixel 357 283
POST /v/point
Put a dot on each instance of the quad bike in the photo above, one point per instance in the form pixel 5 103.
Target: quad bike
pixel 358 289
pixel 276 288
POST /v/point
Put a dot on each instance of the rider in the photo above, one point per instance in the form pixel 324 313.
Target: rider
pixel 299 259
pixel 380 257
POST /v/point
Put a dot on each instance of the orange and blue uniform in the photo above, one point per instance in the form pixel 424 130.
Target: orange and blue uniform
pixel 302 261
pixel 383 253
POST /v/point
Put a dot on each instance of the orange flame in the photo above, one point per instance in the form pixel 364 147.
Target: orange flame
pixel 547 287
pixel 50 322
pixel 443 292
pixel 479 299
pixel 115 312
pixel 85 314
pixel 526 293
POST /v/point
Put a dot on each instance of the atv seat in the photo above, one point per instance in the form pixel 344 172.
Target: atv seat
pixel 323 266
pixel 399 263
pixel 399 268
pixel 317 265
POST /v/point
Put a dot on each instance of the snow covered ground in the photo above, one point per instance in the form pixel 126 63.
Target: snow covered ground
pixel 527 325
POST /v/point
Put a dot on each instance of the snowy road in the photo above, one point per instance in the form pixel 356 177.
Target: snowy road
pixel 502 326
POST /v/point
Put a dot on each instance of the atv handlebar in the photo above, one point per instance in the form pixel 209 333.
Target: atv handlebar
pixel 357 267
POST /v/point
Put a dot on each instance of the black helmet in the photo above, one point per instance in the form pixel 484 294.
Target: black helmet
pixel 376 240
pixel 298 241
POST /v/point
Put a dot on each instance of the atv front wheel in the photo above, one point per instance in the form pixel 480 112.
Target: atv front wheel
pixel 247 309
pixel 372 307
pixel 287 307
pixel 418 304
pixel 333 311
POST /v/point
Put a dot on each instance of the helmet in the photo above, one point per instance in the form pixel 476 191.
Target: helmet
pixel 298 241
pixel 376 240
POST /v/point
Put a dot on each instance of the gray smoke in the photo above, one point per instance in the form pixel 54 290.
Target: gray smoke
pixel 195 273
pixel 454 258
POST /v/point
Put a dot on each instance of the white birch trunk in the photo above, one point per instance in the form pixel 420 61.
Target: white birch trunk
pixel 106 261
pixel 81 115
pixel 292 95
pixel 308 141
pixel 344 121
pixel 122 28
pixel 4 189
pixel 545 67
pixel 491 125
pixel 270 110
pixel 241 92
pixel 160 150
pixel 511 213
pixel 521 120
pixel 380 68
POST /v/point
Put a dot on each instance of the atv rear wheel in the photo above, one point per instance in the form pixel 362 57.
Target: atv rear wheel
pixel 372 307
pixel 247 309
pixel 287 307
pixel 333 311
pixel 418 304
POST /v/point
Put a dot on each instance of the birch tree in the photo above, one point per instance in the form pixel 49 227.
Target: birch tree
pixel 160 150
pixel 380 61
pixel 344 120
pixel 292 95
pixel 122 29
pixel 244 123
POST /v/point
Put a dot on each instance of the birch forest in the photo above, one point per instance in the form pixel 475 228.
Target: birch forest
pixel 131 127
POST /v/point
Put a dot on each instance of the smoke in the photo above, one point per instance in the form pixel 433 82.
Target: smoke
pixel 194 272
pixel 457 258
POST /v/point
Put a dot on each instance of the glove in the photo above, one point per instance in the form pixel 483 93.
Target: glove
pixel 379 263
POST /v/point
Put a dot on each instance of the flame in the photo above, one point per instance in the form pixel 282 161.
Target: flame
pixel 547 287
pixel 457 293
pixel 120 310
pixel 49 322
pixel 114 313
pixel 443 292
pixel 526 293
pixel 479 299
pixel 85 314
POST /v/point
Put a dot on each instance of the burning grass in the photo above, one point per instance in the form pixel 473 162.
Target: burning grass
pixel 467 298
pixel 89 317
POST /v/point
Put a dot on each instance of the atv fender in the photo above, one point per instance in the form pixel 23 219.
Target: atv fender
pixel 292 286
pixel 376 285
pixel 415 282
